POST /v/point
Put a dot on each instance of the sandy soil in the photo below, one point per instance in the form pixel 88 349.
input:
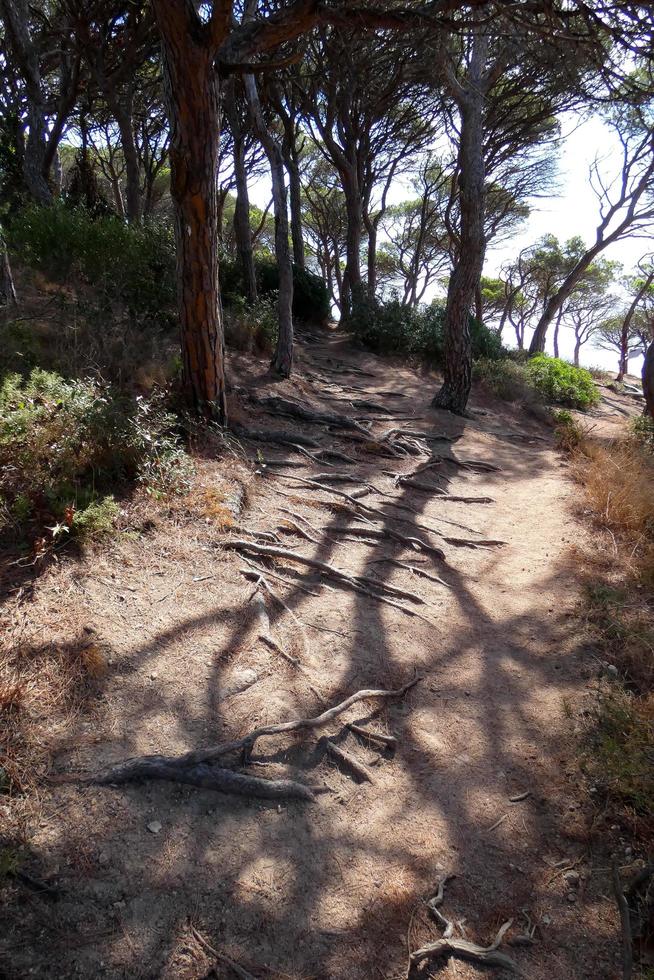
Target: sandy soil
pixel 335 889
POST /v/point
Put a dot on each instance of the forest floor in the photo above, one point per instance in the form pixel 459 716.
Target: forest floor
pixel 334 889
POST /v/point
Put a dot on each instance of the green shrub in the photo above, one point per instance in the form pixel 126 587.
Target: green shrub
pixel 567 431
pixel 508 379
pixel 66 445
pixel 643 430
pixel 393 328
pixel 311 302
pixel 131 264
pixel 562 384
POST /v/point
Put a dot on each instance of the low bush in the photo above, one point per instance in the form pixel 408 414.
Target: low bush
pixel 66 446
pixel 562 384
pixel 642 428
pixel 538 380
pixel 508 379
pixel 392 328
pixel 129 264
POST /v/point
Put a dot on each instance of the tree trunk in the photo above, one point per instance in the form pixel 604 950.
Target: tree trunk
pixel 648 380
pixel 193 113
pixel 122 110
pixel 7 288
pixel 352 284
pixel 295 198
pixel 242 229
pixel 469 262
pixel 555 302
pixel 282 362
pixel 626 324
pixel 576 353
pixel 479 306
pixel 372 260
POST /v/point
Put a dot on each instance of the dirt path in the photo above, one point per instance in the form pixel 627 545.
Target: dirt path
pixel 330 890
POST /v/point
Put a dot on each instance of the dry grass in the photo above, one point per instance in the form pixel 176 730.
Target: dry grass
pixel 618 483
pixel 41 686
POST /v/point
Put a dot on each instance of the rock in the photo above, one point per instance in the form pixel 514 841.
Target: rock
pixel 104 858
pixel 238 682
pixel 571 897
pixel 153 676
pixel 572 878
pixel 546 920
pixel 154 827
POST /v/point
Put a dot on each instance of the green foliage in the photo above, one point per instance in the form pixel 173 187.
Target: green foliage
pixel 643 429
pixel 620 763
pixel 567 431
pixel 64 445
pixel 507 378
pixel 562 384
pixel 393 328
pixel 311 303
pixel 131 264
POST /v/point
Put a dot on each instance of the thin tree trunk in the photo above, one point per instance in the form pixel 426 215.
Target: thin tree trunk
pixel 576 353
pixel 193 112
pixel 626 324
pixel 295 199
pixel 352 282
pixel 282 361
pixel 372 260
pixel 242 229
pixel 479 307
pixel 466 274
pixel 557 327
pixel 123 113
pixel 648 380
pixel 8 296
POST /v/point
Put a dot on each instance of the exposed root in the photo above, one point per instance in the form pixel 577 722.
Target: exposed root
pixel 421 573
pixel 297 410
pixel 382 534
pixel 206 776
pixel 360 583
pixel 476 465
pixel 293 439
pixel 196 769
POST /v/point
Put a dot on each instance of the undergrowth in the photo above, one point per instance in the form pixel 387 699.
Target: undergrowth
pixel 617 480
pixel 539 380
pixel 67 447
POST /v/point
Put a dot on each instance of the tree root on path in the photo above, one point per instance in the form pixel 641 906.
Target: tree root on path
pixel 297 410
pixel 476 465
pixel 282 438
pixel 388 741
pixel 196 769
pixel 381 534
pixel 420 572
pixel 359 583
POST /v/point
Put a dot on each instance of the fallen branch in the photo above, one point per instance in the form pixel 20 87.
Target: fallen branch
pixel 388 741
pixel 221 957
pixel 625 923
pixel 465 950
pixel 348 760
